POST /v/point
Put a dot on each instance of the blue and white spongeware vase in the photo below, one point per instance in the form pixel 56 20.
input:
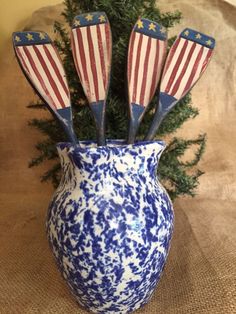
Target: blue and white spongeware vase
pixel 110 223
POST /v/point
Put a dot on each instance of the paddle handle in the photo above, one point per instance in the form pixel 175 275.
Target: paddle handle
pixel 101 139
pixel 133 128
pixel 70 134
pixel 69 130
pixel 156 122
pixel 64 117
pixel 136 113
pixel 98 109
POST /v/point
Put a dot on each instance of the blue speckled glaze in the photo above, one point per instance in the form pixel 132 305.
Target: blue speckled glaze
pixel 110 224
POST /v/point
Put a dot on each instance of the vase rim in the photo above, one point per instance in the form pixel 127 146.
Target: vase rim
pixel 118 143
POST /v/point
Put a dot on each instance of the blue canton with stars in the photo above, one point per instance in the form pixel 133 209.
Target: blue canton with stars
pixel 30 38
pixel 198 37
pixel 89 19
pixel 151 29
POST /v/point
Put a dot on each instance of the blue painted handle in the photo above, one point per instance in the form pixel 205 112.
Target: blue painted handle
pixel 166 103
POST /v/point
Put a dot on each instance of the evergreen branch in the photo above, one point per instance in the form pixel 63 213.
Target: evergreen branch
pixel 53 175
pixel 170 19
pixel 37 105
pixel 64 42
pixel 47 151
pixel 173 172
pixel 201 142
pixel 36 161
pixel 174 119
pixel 179 177
pixel 49 127
pixel 179 146
pixel 72 7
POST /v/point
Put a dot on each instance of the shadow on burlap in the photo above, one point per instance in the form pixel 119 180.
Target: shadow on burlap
pixel 200 273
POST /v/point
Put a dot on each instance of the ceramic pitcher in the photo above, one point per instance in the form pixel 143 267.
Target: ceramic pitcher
pixel 110 224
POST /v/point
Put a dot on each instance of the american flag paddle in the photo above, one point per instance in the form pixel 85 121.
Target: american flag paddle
pixel 147 50
pixel 185 63
pixel 42 66
pixel 92 50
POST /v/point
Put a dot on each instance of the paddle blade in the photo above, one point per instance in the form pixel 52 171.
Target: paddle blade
pixel 147 50
pixel 92 50
pixel 92 47
pixel 42 65
pixel 186 62
pixel 43 68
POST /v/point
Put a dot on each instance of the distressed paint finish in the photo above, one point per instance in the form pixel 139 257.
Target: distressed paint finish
pixel 186 62
pixel 147 50
pixel 42 66
pixel 110 224
pixel 92 49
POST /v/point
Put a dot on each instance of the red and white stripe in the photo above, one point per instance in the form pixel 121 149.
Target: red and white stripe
pixel 91 47
pixel 43 67
pixel 186 62
pixel 145 59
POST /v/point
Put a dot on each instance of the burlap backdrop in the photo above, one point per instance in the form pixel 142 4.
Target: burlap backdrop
pixel 200 273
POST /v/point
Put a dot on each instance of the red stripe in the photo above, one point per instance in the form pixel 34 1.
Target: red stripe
pixel 92 63
pixel 195 66
pixel 22 61
pixel 207 59
pixel 49 76
pixel 155 70
pixel 171 55
pixel 184 69
pixel 74 54
pixel 108 44
pixel 145 71
pixel 109 49
pixel 36 72
pixel 83 62
pixel 136 70
pixel 176 67
pixel 54 65
pixel 102 58
pixel 130 55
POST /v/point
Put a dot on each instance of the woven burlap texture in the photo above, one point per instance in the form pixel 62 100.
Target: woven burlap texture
pixel 200 273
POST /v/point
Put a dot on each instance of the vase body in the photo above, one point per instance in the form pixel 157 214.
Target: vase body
pixel 110 224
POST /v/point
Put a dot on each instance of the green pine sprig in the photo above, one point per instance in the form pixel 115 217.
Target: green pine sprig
pixel 180 177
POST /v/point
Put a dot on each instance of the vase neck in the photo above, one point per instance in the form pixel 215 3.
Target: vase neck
pixel 113 160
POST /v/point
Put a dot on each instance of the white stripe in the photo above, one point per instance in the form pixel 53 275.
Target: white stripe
pixel 156 72
pixel 150 70
pixel 166 77
pixel 199 71
pixel 77 57
pixel 133 63
pixel 64 96
pixel 142 52
pixel 58 63
pixel 188 72
pixel 180 68
pixel 162 54
pixel 33 76
pixel 106 51
pixel 89 86
pixel 101 90
pixel 44 77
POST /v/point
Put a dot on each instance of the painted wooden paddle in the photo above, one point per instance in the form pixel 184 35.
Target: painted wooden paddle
pixel 42 66
pixel 147 50
pixel 92 50
pixel 185 64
